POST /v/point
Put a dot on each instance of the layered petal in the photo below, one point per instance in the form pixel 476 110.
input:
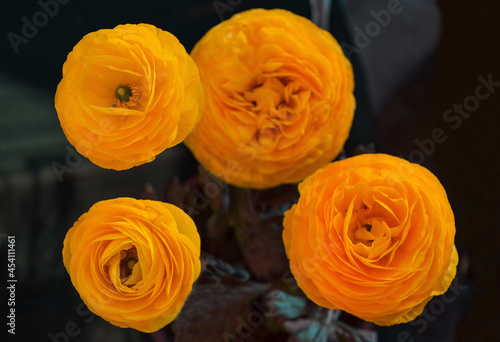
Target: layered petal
pixel 127 94
pixel 279 99
pixel 133 262
pixel 372 235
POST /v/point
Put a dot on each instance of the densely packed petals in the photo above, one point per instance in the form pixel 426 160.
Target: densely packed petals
pixel 279 99
pixel 372 235
pixel 133 262
pixel 127 94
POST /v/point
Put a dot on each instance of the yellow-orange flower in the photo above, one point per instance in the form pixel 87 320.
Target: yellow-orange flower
pixel 127 94
pixel 372 235
pixel 278 99
pixel 133 262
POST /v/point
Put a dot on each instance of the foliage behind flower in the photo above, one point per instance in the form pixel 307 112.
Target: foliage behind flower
pixel 127 94
pixel 133 262
pixel 279 100
pixel 372 235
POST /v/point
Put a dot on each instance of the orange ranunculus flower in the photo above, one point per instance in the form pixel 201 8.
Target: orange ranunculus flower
pixel 372 235
pixel 127 94
pixel 133 262
pixel 279 99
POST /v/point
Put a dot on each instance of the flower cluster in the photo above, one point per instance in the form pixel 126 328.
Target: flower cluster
pixel 265 98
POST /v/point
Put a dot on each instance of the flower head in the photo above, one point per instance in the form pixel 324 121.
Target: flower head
pixel 127 94
pixel 279 100
pixel 133 262
pixel 372 235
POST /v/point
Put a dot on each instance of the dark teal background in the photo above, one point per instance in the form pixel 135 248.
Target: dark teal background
pixel 39 209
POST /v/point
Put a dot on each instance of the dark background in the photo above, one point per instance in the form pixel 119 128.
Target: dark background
pixel 426 60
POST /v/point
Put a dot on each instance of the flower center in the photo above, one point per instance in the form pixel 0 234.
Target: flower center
pixel 126 96
pixel 275 105
pixel 370 235
pixel 366 235
pixel 128 261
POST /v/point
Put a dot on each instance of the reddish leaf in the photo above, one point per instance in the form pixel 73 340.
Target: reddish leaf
pixel 260 240
pixel 219 306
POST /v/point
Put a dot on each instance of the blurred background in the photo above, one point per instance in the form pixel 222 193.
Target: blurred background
pixel 418 65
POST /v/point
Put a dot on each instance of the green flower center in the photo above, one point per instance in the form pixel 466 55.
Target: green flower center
pixel 126 96
pixel 123 93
